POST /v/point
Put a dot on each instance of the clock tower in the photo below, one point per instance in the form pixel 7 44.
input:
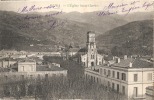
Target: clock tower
pixel 91 49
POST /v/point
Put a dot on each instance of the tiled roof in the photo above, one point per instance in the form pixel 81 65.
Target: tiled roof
pixel 8 59
pixel 46 68
pixel 136 63
pixel 26 60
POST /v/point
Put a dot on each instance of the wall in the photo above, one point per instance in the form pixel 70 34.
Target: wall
pixel 26 66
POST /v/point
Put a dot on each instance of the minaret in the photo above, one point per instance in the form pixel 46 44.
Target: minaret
pixel 91 49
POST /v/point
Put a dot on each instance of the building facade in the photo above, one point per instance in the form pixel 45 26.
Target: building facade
pixel 128 76
pixel 28 69
pixel 91 58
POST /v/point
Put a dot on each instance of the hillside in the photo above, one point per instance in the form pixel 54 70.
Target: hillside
pixel 48 33
pixel 133 38
pixel 16 32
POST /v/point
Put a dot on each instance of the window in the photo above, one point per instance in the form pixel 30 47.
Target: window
pixel 84 63
pixel 101 71
pixel 100 63
pixel 149 77
pixel 92 56
pixel 46 76
pixel 124 76
pixel 123 89
pixel 109 73
pixel 91 78
pixel 113 74
pixel 117 75
pixel 104 71
pixel 112 86
pixel 117 87
pixel 22 68
pixel 97 80
pixel 108 84
pixel 135 77
pixel 135 91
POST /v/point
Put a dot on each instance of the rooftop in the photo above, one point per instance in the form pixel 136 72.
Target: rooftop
pixel 47 68
pixel 136 63
pixel 26 60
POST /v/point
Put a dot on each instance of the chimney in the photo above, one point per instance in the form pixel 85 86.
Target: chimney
pixel 130 64
pixel 113 58
pixel 125 57
pixel 118 60
pixel 103 61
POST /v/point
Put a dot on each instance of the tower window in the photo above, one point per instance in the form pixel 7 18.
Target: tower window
pixel 92 56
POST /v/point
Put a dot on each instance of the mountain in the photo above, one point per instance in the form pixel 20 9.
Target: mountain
pixel 103 23
pixel 17 31
pixel 38 32
pixel 106 23
pixel 139 16
pixel 133 38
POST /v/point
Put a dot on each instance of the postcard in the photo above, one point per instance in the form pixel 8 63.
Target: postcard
pixel 76 50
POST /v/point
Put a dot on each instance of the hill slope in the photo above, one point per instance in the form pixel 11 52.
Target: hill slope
pixel 132 38
pixel 16 32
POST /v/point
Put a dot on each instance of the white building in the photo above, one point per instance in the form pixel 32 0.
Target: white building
pixel 128 76
pixel 91 58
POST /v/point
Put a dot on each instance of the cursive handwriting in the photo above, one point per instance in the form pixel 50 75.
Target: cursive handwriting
pixel 29 17
pixel 125 8
pixel 34 8
pixel 49 24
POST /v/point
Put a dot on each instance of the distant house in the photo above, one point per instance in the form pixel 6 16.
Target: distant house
pixel 29 69
pixel 7 62
pixel 73 51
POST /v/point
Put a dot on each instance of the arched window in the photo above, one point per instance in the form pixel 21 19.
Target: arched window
pixel 92 56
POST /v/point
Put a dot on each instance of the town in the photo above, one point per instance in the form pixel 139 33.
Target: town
pixel 75 73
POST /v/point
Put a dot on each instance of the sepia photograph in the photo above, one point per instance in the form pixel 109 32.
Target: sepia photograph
pixel 76 50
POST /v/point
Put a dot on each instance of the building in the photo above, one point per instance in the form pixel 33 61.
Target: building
pixel 73 51
pixel 7 62
pixel 128 76
pixel 150 93
pixel 28 69
pixel 91 58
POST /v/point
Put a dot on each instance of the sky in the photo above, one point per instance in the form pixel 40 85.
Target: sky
pixel 76 5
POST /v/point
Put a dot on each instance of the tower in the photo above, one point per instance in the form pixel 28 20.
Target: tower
pixel 91 49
